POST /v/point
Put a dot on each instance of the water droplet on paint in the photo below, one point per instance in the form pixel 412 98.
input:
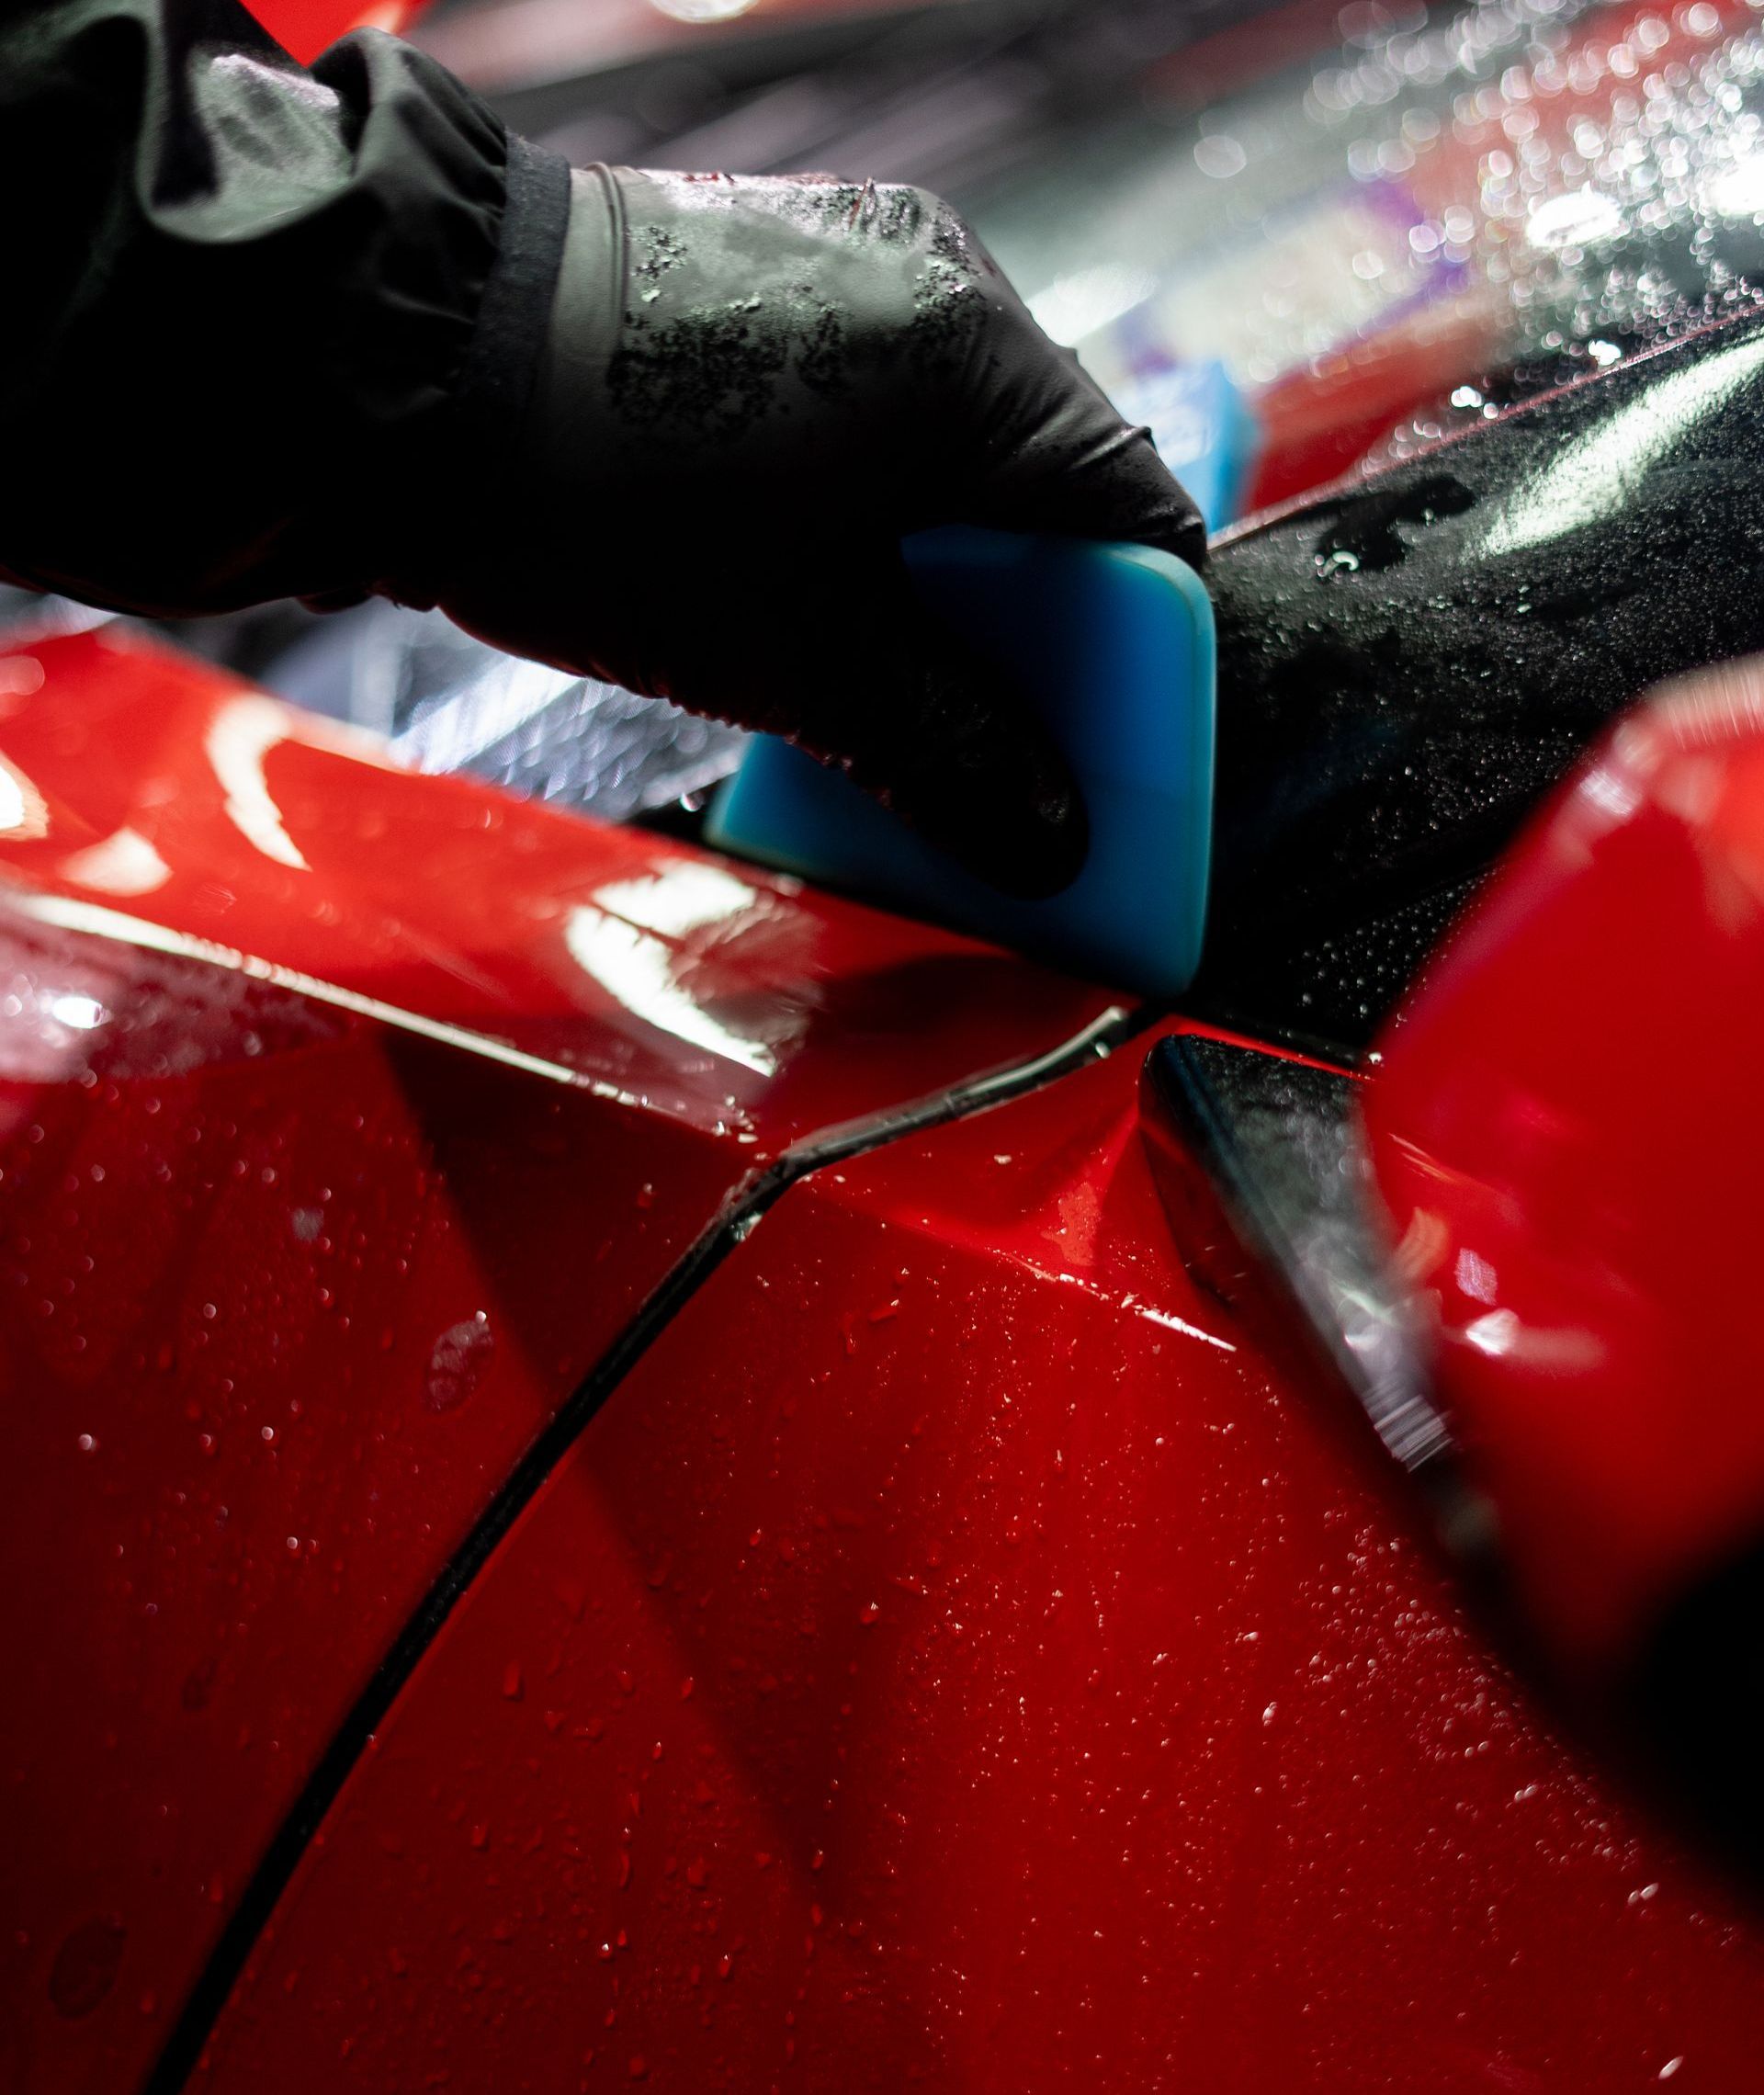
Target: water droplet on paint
pixel 458 1363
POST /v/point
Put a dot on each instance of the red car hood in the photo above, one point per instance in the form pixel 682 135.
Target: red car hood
pixel 347 1119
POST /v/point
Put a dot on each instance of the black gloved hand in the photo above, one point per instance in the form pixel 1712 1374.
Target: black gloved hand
pixel 753 388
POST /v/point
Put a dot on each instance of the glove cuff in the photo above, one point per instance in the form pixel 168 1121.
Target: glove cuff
pixel 464 481
pixel 499 370
pixel 565 432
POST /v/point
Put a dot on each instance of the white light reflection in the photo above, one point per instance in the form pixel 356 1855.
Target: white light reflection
pixel 1173 1323
pixel 1072 307
pixel 82 1014
pixel 1495 1334
pixel 1169 1322
pixel 681 898
pixel 622 941
pixel 1737 192
pixel 702 10
pixel 1611 792
pixel 1595 475
pixel 1501 1335
pixel 124 863
pixel 24 813
pixel 1475 1276
pixel 69 914
pixel 1573 220
pixel 1220 156
pixel 240 735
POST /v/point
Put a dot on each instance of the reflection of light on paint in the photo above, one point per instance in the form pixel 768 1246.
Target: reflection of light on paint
pixel 240 735
pixel 1128 1302
pixel 24 813
pixel 45 1024
pixel 1737 192
pixel 1181 1324
pixel 679 899
pixel 1500 1335
pixel 148 937
pixel 1494 1333
pixel 1476 1276
pixel 638 970
pixel 123 863
pixel 1611 792
pixel 1572 220
pixel 1593 477
pixel 81 1012
pixel 621 941
pixel 1072 307
pixel 702 10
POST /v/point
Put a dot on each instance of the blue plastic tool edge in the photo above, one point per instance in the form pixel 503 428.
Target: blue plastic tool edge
pixel 1113 646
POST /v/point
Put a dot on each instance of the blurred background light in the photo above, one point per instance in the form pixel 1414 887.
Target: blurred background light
pixel 703 10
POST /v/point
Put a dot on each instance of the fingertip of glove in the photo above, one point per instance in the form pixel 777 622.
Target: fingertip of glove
pixel 1029 839
pixel 1030 851
pixel 1185 537
pixel 1182 529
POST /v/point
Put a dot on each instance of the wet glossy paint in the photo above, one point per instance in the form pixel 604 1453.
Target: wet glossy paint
pixel 154 791
pixel 958 1657
pixel 305 28
pixel 346 1117
pixel 1565 1136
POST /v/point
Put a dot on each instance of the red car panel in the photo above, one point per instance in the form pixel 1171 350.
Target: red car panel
pixel 322 1192
pixel 1566 1135
pixel 305 27
pixel 962 1655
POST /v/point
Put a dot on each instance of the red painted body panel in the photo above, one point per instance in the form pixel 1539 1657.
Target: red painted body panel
pixel 954 1658
pixel 305 28
pixel 729 999
pixel 1566 1133
pixel 300 1251
pixel 1318 422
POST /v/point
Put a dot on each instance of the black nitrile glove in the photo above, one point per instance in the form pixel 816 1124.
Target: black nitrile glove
pixel 752 388
pixel 281 333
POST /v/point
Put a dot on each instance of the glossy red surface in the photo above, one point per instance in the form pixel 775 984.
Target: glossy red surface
pixel 953 1659
pixel 305 28
pixel 1322 419
pixel 346 1117
pixel 728 999
pixel 1566 1133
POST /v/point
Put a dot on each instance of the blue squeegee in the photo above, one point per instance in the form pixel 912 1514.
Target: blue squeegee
pixel 1112 647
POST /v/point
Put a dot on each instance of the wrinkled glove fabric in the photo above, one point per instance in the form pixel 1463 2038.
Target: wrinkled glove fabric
pixel 329 331
pixel 243 302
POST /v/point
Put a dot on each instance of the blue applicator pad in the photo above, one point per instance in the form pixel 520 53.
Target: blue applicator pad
pixel 1112 647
